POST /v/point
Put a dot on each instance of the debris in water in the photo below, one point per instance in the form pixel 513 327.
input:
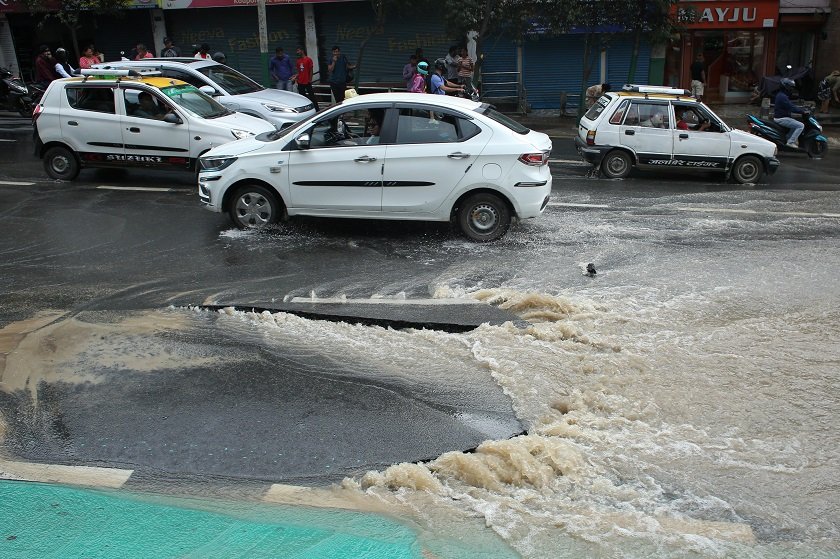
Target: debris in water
pixel 590 270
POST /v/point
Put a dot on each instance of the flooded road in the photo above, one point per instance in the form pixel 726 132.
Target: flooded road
pixel 680 402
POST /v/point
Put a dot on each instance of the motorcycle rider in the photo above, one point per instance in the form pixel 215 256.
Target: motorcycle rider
pixel 783 111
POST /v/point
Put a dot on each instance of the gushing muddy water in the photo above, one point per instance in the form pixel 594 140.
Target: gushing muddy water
pixel 681 403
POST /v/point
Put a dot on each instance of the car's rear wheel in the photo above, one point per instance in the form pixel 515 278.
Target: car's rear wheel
pixel 748 170
pixel 484 217
pixel 60 163
pixel 254 207
pixel 616 164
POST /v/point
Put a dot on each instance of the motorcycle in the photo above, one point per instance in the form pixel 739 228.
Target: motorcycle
pixel 811 140
pixel 14 95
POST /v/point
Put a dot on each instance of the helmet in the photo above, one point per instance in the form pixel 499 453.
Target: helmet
pixel 423 68
pixel 788 84
pixel 220 57
pixel 440 64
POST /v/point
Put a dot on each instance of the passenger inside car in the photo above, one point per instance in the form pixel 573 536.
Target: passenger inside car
pixel 148 107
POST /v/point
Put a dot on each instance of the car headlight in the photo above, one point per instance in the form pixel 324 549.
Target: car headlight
pixel 215 163
pixel 240 134
pixel 278 108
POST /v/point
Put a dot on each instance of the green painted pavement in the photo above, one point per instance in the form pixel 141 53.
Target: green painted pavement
pixel 50 521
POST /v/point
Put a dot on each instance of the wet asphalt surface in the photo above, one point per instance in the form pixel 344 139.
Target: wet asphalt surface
pixel 254 409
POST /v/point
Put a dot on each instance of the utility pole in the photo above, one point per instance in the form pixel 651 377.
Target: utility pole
pixel 263 27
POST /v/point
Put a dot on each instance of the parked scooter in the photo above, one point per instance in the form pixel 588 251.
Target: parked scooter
pixel 14 95
pixel 811 140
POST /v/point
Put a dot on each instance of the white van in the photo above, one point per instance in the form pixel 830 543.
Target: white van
pixel 115 120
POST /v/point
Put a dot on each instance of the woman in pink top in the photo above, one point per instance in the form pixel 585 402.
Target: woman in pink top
pixel 90 57
pixel 142 52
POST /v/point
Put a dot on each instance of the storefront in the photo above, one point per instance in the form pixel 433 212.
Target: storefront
pixel 801 25
pixel 737 40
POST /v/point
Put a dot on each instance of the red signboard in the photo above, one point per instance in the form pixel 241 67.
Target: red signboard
pixel 714 14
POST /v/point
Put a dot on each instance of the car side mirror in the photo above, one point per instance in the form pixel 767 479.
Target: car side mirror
pixel 172 118
pixel 209 90
pixel 302 141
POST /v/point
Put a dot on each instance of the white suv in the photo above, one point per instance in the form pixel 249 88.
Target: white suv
pixel 386 156
pixel 653 127
pixel 122 121
pixel 229 87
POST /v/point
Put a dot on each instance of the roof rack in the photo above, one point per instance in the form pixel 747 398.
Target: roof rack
pixel 655 89
pixel 107 72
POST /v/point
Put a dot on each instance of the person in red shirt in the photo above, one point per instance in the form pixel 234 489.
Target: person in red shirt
pixel 689 115
pixel 303 76
pixel 142 52
pixel 45 67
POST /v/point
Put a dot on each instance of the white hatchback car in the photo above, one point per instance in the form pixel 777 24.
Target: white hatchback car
pixel 107 120
pixel 398 156
pixel 229 87
pixel 652 127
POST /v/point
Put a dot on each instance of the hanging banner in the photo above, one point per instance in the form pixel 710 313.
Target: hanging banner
pixel 55 5
pixel 181 4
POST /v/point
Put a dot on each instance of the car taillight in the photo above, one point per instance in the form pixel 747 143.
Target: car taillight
pixel 590 137
pixel 36 112
pixel 534 159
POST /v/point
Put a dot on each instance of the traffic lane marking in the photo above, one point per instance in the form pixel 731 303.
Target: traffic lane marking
pixel 58 473
pixel 16 183
pixel 136 188
pixel 6 140
pixel 698 210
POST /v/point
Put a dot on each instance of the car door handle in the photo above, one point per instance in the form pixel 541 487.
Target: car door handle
pixel 133 129
pixel 365 159
pixel 72 123
pixel 683 136
pixel 630 132
pixel 458 155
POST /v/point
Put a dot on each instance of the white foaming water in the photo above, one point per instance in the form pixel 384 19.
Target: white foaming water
pixel 678 428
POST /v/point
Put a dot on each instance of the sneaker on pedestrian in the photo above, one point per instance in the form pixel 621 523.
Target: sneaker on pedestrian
pixel 792 145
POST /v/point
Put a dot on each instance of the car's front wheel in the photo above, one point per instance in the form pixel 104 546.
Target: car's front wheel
pixel 748 170
pixel 254 207
pixel 616 164
pixel 484 217
pixel 60 163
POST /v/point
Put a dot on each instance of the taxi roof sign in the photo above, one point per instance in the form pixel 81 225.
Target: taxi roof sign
pixel 631 88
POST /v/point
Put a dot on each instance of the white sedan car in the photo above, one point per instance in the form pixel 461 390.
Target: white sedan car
pixel 401 156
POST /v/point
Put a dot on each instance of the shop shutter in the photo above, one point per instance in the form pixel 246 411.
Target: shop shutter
pixel 346 24
pixel 618 62
pixel 235 32
pixel 122 32
pixel 554 65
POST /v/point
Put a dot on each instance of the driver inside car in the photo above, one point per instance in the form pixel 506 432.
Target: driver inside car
pixel 688 120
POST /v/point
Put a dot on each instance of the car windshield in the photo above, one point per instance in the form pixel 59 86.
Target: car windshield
pixel 194 101
pixel 505 120
pixel 230 80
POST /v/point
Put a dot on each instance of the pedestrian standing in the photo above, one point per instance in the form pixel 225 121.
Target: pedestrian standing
pixel 466 66
pixel 339 68
pixel 203 52
pixel 45 67
pixel 62 65
pixel 281 69
pixel 828 88
pixel 594 92
pixel 698 77
pixel 409 70
pixel 169 49
pixel 452 63
pixel 418 80
pixel 142 52
pixel 90 57
pixel 303 76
